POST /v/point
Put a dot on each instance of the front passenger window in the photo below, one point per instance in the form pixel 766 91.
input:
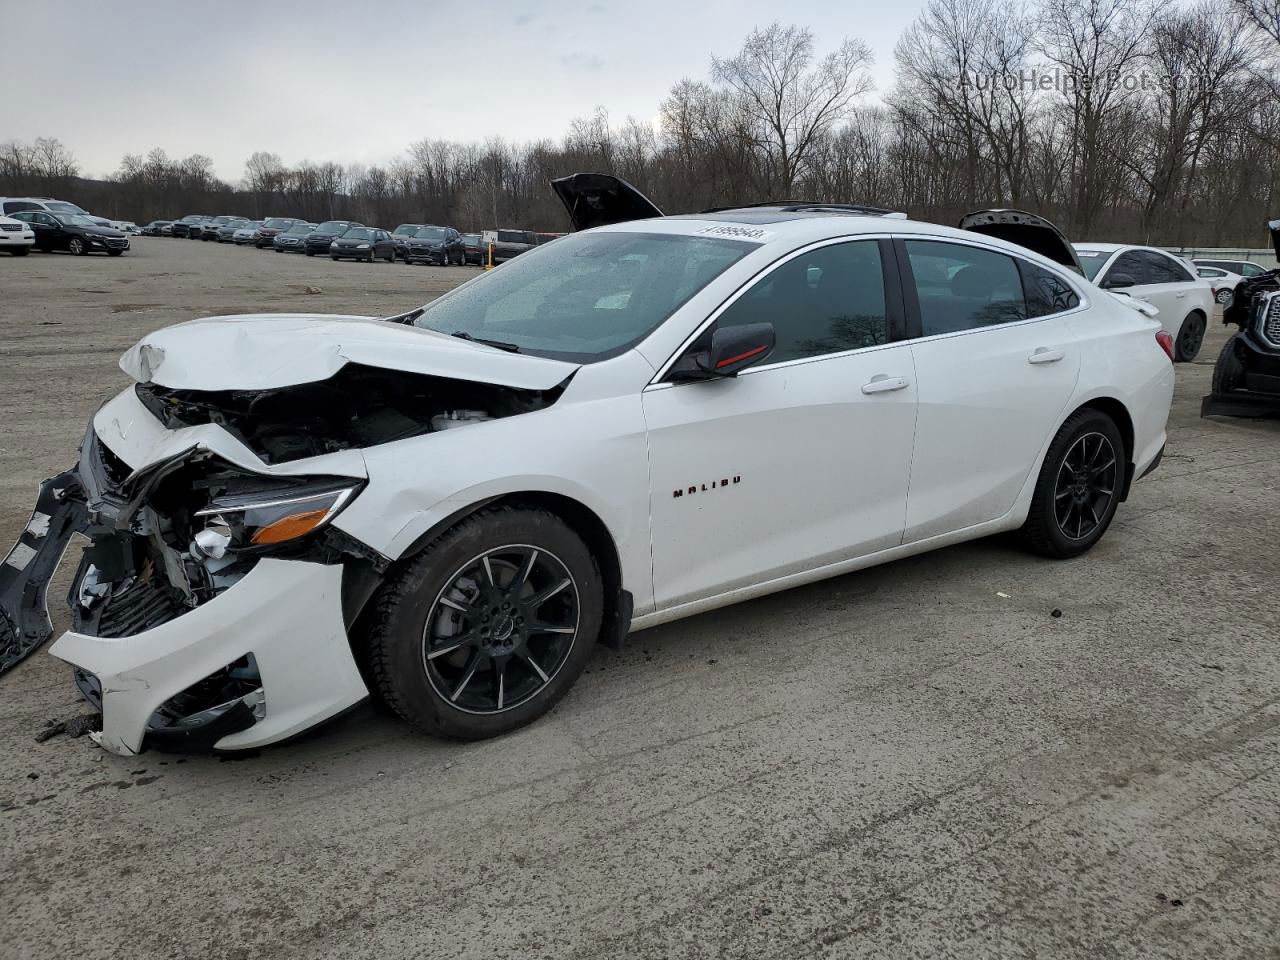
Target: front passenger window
pixel 825 300
pixel 964 288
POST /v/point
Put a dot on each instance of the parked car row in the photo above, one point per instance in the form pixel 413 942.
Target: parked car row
pixel 348 240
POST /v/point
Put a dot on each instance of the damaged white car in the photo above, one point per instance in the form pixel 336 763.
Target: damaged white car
pixel 635 423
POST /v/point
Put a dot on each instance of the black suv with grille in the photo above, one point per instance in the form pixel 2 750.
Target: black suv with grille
pixel 1246 378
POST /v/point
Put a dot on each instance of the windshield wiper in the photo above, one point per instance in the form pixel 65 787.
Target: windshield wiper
pixel 500 344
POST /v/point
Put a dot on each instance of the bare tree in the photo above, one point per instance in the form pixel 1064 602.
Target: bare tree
pixel 792 99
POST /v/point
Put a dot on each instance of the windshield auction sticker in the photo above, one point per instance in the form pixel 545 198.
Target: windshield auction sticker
pixel 738 231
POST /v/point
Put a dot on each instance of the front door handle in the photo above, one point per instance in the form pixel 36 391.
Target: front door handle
pixel 1182 295
pixel 1045 355
pixel 883 384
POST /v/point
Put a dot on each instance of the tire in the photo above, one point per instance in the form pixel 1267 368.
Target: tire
pixel 1057 525
pixel 1223 296
pixel 1190 337
pixel 1228 372
pixel 77 247
pixel 333 258
pixel 19 251
pixel 465 691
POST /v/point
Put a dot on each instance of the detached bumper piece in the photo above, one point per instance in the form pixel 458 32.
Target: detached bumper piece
pixel 24 576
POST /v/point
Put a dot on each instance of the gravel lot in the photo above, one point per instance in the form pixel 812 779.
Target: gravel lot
pixel 898 763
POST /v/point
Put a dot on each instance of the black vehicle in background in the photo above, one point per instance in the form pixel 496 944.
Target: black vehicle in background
pixel 1246 378
pixel 156 228
pixel 270 227
pixel 439 245
pixel 72 232
pixel 512 243
pixel 226 232
pixel 402 234
pixel 364 243
pixel 182 228
pixel 291 240
pixel 319 239
pixel 473 249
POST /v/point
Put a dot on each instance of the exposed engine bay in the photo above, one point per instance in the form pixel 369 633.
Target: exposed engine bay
pixel 359 406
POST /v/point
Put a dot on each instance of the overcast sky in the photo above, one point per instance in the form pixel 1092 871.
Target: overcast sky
pixel 358 81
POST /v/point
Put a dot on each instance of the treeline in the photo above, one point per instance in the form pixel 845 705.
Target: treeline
pixel 1135 120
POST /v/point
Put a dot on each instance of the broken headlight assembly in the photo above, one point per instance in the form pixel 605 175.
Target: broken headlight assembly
pixel 258 521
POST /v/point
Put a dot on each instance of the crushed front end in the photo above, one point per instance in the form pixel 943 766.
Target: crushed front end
pixel 210 607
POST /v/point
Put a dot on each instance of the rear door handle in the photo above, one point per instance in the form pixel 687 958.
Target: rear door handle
pixel 1045 355
pixel 883 384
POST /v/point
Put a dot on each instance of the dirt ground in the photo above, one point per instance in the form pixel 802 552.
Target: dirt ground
pixel 918 760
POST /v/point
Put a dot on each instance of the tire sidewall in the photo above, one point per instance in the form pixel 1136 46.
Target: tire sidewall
pixel 411 691
pixel 1191 318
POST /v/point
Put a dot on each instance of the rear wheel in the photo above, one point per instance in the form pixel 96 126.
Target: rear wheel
pixel 1190 337
pixel 1078 489
pixel 489 627
pixel 1223 296
pixel 1228 372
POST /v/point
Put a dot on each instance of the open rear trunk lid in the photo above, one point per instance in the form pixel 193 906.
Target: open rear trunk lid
pixel 598 199
pixel 1026 230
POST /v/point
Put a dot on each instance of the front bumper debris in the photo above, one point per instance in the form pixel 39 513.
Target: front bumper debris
pixel 179 651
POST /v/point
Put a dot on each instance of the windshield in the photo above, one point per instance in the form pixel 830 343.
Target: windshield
pixel 587 298
pixel 299 230
pixel 74 220
pixel 333 226
pixel 277 223
pixel 471 238
pixel 514 236
pixel 406 229
pixel 61 206
pixel 1092 260
pixel 430 233
pixel 358 233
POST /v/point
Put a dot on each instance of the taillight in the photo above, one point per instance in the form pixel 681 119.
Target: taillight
pixel 1165 339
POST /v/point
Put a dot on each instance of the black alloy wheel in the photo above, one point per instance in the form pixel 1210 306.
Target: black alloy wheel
pixel 501 628
pixel 1190 338
pixel 1087 485
pixel 1080 485
pixel 488 627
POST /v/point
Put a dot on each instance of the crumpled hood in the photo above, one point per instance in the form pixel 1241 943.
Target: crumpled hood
pixel 267 351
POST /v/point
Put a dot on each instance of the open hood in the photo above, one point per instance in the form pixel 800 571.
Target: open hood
pixel 267 351
pixel 598 199
pixel 1026 230
pixel 1274 227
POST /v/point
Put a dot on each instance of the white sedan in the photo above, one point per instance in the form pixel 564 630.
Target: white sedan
pixel 448 509
pixel 1184 301
pixel 16 237
pixel 1223 282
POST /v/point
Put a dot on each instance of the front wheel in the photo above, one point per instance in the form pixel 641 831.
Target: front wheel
pixel 488 628
pixel 1190 337
pixel 1228 372
pixel 1078 489
pixel 77 247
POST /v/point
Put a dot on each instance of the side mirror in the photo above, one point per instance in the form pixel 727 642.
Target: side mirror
pixel 1118 280
pixel 733 349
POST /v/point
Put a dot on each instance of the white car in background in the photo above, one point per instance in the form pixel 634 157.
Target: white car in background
pixel 16 237
pixel 1245 268
pixel 1184 300
pixel 451 507
pixel 1222 281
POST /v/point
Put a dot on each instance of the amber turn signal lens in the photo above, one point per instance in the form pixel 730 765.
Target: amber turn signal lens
pixel 289 528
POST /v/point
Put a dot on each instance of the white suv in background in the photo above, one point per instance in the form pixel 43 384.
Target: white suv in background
pixel 16 237
pixel 1184 300
pixel 12 205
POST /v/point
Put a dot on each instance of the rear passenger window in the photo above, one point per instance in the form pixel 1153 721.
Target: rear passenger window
pixel 964 288
pixel 1045 291
pixel 827 300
